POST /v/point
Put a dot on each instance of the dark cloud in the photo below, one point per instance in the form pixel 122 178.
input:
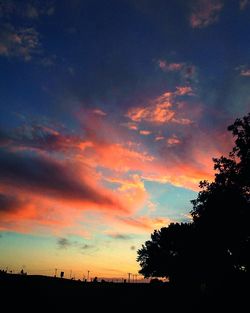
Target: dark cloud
pixel 42 137
pixel 46 176
pixel 32 9
pixel 4 138
pixel 86 247
pixel 120 236
pixel 63 243
pixel 9 203
pixel 22 42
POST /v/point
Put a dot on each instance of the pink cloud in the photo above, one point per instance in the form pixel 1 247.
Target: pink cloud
pixel 145 132
pixel 205 13
pixel 99 112
pixel 158 138
pixel 172 67
pixel 131 126
pixel 173 140
pixel 245 72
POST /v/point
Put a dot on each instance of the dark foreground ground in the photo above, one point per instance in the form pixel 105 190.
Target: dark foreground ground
pixel 46 294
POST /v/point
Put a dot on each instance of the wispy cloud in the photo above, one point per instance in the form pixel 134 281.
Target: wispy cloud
pixel 31 9
pixel 119 236
pixel 245 72
pixel 145 132
pixel 19 42
pixel 64 243
pixel 99 112
pixel 171 67
pixel 187 72
pixel 205 13
pixel 173 140
pixel 243 4
pixel 145 222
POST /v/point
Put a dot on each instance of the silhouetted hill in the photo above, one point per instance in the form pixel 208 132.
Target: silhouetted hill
pixel 48 294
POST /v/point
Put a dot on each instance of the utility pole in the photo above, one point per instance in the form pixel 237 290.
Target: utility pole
pixel 129 277
pixel 136 278
pixel 55 272
pixel 70 274
pixel 88 276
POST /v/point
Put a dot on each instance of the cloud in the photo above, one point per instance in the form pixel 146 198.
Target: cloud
pixel 170 67
pixel 31 9
pixel 60 175
pixel 86 247
pixel 10 203
pixel 45 138
pixel 55 179
pixel 145 132
pixel 173 141
pixel 130 125
pixel 243 4
pixel 18 42
pixel 186 71
pixel 63 243
pixel 158 138
pixel 145 222
pixel 99 112
pixel 119 236
pixel 245 72
pixel 205 13
pixel 184 90
pixel 161 109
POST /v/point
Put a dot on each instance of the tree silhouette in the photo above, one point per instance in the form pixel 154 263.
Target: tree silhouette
pixel 163 255
pixel 217 243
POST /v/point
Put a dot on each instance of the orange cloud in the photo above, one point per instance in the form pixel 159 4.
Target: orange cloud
pixel 160 110
pixel 102 171
pixel 185 90
pixel 146 223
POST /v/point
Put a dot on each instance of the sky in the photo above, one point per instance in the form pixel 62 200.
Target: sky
pixel 110 115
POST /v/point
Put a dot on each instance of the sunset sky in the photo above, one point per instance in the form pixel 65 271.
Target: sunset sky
pixel 110 114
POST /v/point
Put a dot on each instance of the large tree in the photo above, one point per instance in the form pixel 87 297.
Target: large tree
pixel 217 242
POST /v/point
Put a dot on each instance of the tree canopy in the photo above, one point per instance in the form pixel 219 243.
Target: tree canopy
pixel 217 241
